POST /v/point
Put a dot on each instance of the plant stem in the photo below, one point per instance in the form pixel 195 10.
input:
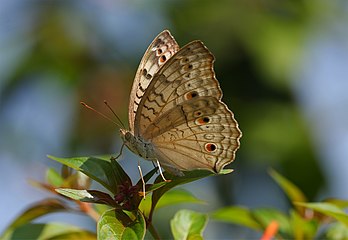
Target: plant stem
pixel 153 231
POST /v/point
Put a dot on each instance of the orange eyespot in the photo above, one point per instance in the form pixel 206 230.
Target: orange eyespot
pixel 210 147
pixel 191 95
pixel 163 59
pixel 203 120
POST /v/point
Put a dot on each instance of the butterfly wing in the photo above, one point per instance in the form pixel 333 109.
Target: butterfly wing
pixel 182 114
pixel 160 50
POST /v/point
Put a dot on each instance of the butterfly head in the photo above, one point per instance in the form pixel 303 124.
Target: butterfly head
pixel 126 136
pixel 129 140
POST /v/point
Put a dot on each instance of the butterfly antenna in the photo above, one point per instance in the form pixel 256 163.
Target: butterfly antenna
pixel 101 114
pixel 119 120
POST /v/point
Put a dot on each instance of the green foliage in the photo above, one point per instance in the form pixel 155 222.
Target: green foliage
pixel 116 224
pixel 124 212
pixel 236 215
pixel 302 222
pixel 328 209
pixel 51 231
pixel 188 224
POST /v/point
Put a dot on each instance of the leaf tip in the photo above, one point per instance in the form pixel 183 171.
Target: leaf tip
pixel 225 171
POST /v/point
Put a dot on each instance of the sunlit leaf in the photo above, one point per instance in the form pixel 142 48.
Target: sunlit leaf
pixel 49 231
pixel 54 178
pixel 328 209
pixel 265 216
pixel 176 181
pixel 336 231
pixel 35 211
pixel 177 196
pixel 77 180
pixel 155 186
pixel 172 197
pixel 100 170
pixel 337 202
pixel 188 224
pixel 90 196
pixel 302 228
pixel 101 208
pixel 115 224
pixel 236 215
pixel 39 209
pixel 292 191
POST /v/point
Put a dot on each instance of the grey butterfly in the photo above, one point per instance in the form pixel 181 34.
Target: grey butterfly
pixel 176 116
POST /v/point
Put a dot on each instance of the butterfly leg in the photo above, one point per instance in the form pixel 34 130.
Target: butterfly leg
pixel 160 169
pixel 118 155
pixel 142 179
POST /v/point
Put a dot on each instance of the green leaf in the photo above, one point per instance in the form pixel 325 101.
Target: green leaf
pixel 188 224
pixel 265 216
pixel 147 177
pixel 49 231
pixel 176 181
pixel 172 197
pixel 54 178
pixel 328 209
pixel 177 196
pixel 336 231
pixel 35 211
pixel 100 170
pixel 292 191
pixel 115 224
pixel 236 215
pixel 101 208
pixel 119 173
pixel 338 202
pixel 90 196
pixel 153 187
pixel 303 228
pixel 39 209
pixel 77 180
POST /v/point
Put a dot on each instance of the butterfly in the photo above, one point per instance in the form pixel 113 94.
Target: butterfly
pixel 176 116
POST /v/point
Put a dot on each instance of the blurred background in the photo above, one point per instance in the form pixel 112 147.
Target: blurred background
pixel 282 66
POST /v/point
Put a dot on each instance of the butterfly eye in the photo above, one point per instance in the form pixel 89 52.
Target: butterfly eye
pixel 210 147
pixel 128 136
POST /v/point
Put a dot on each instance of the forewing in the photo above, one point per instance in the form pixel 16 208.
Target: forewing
pixel 160 50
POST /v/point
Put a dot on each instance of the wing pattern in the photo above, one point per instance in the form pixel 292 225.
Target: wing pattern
pixel 182 114
pixel 160 50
